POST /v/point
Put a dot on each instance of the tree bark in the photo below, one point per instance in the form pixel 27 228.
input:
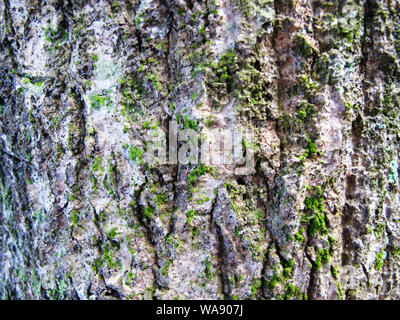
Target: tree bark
pixel 84 216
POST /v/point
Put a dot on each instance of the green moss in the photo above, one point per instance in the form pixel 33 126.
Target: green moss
pixel 26 80
pixel 254 287
pixel 160 199
pixel 146 125
pixel 348 34
pixel 339 290
pixel 299 236
pixel 193 231
pixel 379 230
pixel 97 101
pixel 167 264
pixel 93 181
pixel 311 148
pixel 323 257
pixel 197 172
pixel 112 234
pixel 305 112
pixel 208 269
pixel 304 47
pixel 210 121
pixel 395 251
pixel 248 7
pixel 74 217
pixel 188 123
pixel 288 267
pixel 293 291
pixel 379 259
pixel 334 272
pixel 97 164
pixel 107 186
pixel 315 206
pixel 273 282
pixel 202 200
pixel 59 292
pixel 108 256
pixel 317 224
pixel 154 78
pixel 75 136
pixel 135 153
pixel 222 72
pixel 202 31
pixel 148 212
pixel 253 90
pixel 130 277
pixel 55 36
pixel 189 216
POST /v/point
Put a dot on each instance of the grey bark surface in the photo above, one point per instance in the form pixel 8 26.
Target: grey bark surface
pixel 83 82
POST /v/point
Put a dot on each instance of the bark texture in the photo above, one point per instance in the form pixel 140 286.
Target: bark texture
pixel 83 82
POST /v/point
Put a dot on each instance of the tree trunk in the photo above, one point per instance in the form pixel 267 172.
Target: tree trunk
pixel 84 86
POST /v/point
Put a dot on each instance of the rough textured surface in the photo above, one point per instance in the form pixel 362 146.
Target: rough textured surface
pixel 83 82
